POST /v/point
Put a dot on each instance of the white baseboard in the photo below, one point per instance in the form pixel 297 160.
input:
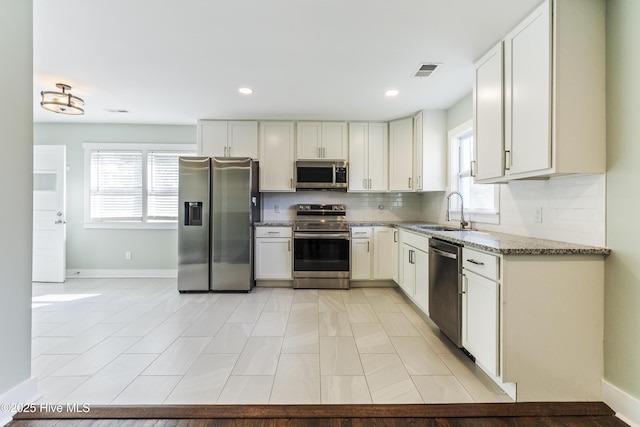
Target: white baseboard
pixel 111 274
pixel 25 392
pixel 626 406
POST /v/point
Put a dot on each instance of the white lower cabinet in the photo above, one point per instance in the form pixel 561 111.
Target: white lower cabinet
pixel 361 254
pixel 414 268
pixel 480 308
pixel 480 320
pixel 372 253
pixel 395 256
pixel 273 256
pixel 534 323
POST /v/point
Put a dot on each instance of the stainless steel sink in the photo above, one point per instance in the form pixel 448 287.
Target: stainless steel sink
pixel 437 228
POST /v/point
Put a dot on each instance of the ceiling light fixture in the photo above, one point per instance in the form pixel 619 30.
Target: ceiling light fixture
pixel 245 90
pixel 62 102
pixel 392 92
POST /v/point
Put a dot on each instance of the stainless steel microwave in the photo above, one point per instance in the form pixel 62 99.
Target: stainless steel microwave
pixel 321 175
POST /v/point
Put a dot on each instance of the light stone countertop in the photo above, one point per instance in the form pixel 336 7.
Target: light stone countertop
pixel 498 243
pixel 274 224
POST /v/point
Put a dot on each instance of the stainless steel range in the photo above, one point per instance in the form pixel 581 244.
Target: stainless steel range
pixel 321 247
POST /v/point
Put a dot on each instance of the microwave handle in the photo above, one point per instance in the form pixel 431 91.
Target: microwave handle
pixel 334 173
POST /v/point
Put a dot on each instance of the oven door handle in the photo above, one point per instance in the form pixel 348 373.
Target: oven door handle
pixel 344 236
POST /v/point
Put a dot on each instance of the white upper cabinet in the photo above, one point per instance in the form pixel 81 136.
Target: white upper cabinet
pixel 368 156
pixel 277 156
pixel 221 138
pixel 334 141
pixel 554 96
pixel 309 140
pixel 488 107
pixel 528 91
pixel 430 150
pixel 321 140
pixel 401 155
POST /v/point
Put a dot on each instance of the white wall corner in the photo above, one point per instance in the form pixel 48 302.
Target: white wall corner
pixel 626 406
pixel 14 399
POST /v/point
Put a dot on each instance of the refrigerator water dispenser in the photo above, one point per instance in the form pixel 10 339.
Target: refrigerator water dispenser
pixel 193 213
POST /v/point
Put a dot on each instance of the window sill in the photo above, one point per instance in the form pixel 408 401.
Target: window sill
pixel 132 225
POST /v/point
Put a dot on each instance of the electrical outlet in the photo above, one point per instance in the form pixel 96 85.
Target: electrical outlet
pixel 539 215
pixel 127 255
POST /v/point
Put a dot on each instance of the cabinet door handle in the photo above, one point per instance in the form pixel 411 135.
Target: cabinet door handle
pixel 472 169
pixel 277 233
pixel 369 183
pixel 412 259
pixel 290 182
pixel 507 160
pixel 473 261
pixel 289 245
pixel 368 246
pixel 395 235
pixel 409 182
pixel 323 153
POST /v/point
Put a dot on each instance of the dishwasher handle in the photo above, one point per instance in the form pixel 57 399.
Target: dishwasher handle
pixel 443 253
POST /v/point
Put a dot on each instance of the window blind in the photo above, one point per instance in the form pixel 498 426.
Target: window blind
pixel 116 185
pixel 162 186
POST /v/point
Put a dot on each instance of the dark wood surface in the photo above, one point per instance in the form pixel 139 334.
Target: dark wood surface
pixel 567 414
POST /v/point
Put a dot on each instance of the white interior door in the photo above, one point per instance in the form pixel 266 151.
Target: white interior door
pixel 49 213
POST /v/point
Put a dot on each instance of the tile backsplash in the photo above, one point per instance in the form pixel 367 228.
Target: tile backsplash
pixel 360 206
pixel 573 208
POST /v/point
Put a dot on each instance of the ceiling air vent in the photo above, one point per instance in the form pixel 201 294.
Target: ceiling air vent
pixel 426 68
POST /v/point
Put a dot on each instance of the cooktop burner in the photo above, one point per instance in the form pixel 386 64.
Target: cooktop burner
pixel 321 217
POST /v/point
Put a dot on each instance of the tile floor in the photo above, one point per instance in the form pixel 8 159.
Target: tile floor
pixel 139 341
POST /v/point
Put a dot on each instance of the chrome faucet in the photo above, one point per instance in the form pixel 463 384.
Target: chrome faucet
pixel 463 223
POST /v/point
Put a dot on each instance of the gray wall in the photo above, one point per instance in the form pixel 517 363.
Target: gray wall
pixel 103 249
pixel 16 138
pixel 622 292
pixel 460 112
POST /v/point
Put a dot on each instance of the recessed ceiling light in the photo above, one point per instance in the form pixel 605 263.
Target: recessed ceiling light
pixel 392 92
pixel 245 90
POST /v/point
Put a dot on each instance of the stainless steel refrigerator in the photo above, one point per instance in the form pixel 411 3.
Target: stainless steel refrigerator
pixel 218 204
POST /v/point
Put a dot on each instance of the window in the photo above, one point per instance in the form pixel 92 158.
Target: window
pixel 481 201
pixel 132 185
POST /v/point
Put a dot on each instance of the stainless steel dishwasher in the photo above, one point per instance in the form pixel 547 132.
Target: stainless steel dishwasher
pixel 445 299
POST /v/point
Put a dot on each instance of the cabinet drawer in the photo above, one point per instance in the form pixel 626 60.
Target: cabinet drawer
pixel 360 232
pixel 416 240
pixel 481 263
pixel 273 232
